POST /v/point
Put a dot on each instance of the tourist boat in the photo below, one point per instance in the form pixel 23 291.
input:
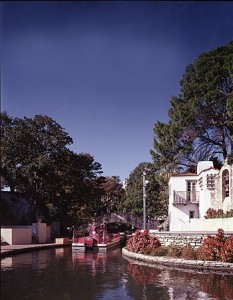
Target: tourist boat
pixel 98 241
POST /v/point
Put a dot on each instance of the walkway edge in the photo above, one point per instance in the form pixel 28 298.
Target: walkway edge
pixel 179 262
pixel 24 248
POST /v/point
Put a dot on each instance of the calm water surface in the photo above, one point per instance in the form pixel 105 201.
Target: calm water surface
pixel 61 274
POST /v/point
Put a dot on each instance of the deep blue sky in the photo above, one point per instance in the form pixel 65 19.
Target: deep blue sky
pixel 105 71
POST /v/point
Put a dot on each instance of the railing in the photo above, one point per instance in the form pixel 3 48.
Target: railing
pixel 135 221
pixel 181 197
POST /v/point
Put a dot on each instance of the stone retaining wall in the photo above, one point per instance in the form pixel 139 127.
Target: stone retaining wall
pixel 182 239
pixel 179 262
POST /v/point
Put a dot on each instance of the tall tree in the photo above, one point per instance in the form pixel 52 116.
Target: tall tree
pixel 113 193
pixel 35 161
pixel 201 117
pixel 78 189
pixel 30 146
pixel 8 167
pixel 156 205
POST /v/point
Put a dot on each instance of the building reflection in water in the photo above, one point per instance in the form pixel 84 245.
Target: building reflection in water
pixel 59 252
pixel 36 259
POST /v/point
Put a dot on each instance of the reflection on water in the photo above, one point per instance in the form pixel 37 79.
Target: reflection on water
pixel 96 261
pixel 35 259
pixel 63 274
pixel 183 283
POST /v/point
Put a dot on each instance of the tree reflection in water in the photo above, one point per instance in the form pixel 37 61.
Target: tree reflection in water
pixel 61 274
pixel 183 283
pixel 143 274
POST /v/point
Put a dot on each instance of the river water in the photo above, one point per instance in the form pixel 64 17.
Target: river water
pixel 62 274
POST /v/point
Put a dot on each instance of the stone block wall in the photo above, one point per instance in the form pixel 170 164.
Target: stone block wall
pixel 180 240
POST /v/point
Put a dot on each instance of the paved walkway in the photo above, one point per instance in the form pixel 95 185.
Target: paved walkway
pixel 8 250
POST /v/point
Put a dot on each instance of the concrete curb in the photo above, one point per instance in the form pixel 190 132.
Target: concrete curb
pixel 179 262
pixel 17 249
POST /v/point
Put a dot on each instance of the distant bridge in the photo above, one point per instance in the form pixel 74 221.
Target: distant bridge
pixel 135 221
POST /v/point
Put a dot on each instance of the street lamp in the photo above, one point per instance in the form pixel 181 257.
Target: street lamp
pixel 144 183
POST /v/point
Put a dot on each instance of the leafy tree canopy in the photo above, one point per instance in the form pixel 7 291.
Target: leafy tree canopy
pixel 113 193
pixel 30 146
pixel 35 161
pixel 201 117
pixel 156 205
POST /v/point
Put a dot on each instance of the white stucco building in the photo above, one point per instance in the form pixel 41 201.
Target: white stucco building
pixel 191 195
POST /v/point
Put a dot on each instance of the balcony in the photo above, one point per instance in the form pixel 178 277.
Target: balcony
pixel 181 197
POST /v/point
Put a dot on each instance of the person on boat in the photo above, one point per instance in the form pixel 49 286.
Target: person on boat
pixel 104 227
pixel 94 229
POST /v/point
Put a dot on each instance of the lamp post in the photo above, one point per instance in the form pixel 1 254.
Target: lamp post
pixel 144 183
pixel 144 198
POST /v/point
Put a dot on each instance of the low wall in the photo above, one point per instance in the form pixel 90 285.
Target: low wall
pixel 208 224
pixel 17 235
pixel 204 225
pixel 179 239
pixel 48 233
pixel 21 235
pixel 180 263
pixel 40 232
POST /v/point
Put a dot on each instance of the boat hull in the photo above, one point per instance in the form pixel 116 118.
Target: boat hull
pixel 91 243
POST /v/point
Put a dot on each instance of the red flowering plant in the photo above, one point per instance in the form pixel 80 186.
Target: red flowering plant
pixel 217 248
pixel 142 242
pixel 213 213
pixel 226 253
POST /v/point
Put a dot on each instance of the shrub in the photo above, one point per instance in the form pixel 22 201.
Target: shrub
pixel 188 252
pixel 200 254
pixel 226 253
pixel 173 250
pixel 217 248
pixel 213 248
pixel 213 213
pixel 142 242
pixel 159 251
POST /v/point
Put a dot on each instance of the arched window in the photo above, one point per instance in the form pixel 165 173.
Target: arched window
pixel 225 184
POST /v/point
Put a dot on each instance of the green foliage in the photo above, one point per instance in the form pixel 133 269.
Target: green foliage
pixel 173 250
pixel 35 161
pixel 156 199
pixel 201 117
pixel 159 251
pixel 187 252
pixel 77 189
pixel 30 146
pixel 113 193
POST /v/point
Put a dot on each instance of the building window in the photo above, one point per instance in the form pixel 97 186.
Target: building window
pixel 191 214
pixel 191 191
pixel 225 184
pixel 210 181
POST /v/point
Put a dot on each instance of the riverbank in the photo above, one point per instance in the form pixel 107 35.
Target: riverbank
pixel 179 262
pixel 9 250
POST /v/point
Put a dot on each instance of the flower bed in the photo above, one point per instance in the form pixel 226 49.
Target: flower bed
pixel 217 248
pixel 214 214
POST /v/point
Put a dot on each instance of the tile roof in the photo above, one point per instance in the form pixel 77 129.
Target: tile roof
pixel 183 174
